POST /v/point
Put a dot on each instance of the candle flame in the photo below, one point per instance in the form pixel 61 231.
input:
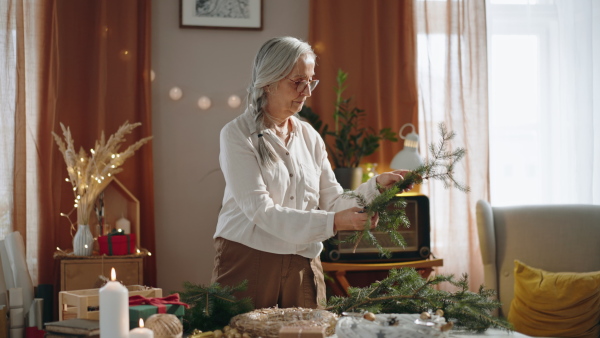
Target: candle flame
pixel 141 322
pixel 113 274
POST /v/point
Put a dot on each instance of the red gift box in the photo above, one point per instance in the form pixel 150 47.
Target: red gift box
pixel 117 245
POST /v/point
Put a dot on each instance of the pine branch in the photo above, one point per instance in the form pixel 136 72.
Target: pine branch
pixel 391 207
pixel 405 291
pixel 211 307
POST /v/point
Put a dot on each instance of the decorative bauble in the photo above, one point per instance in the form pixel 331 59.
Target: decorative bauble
pixel 165 325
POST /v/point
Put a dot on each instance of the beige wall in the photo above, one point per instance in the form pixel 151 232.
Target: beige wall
pixel 188 183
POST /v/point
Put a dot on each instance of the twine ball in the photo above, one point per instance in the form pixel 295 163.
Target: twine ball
pixel 165 325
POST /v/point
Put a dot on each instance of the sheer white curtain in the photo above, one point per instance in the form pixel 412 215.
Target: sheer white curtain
pixel 21 38
pixel 544 68
pixel 452 77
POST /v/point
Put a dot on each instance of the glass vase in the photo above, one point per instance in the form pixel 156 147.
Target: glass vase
pixel 83 241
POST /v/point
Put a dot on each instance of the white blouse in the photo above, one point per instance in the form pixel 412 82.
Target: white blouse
pixel 286 209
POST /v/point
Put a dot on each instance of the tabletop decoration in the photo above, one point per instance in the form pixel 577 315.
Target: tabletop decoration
pixel 165 325
pixel 405 291
pixel 90 174
pixel 141 331
pixel 392 325
pixel 114 309
pixel 212 306
pixel 268 322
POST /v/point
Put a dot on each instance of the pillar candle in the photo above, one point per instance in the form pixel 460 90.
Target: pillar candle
pixel 114 309
pixel 141 332
pixel 123 223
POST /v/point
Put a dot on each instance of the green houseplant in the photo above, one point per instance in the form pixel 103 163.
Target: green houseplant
pixel 351 139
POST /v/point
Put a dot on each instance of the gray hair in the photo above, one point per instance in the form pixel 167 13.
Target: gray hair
pixel 274 60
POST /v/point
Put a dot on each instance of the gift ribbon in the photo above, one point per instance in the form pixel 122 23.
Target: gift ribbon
pixel 117 232
pixel 160 303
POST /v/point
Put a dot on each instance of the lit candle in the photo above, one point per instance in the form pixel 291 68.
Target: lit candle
pixel 141 332
pixel 114 309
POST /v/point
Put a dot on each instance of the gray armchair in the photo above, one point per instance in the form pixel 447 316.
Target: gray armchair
pixel 557 238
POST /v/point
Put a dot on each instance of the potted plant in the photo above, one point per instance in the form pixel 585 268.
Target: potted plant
pixel 351 139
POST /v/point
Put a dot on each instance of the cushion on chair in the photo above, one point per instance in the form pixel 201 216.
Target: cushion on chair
pixel 558 304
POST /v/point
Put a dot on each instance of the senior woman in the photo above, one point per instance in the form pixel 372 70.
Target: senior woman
pixel 281 197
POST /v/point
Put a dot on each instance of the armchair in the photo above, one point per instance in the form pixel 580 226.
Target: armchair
pixel 554 238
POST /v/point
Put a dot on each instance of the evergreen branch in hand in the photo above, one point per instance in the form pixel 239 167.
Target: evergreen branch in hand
pixel 211 307
pixel 405 291
pixel 391 207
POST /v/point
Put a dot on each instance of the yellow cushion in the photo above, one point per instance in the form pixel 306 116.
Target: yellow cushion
pixel 557 304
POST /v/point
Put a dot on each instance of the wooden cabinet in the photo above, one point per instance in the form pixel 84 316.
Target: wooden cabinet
pixel 83 273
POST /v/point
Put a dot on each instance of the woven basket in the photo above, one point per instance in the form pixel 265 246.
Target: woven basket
pixel 267 322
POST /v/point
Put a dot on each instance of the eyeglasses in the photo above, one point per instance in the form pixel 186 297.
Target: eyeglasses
pixel 301 84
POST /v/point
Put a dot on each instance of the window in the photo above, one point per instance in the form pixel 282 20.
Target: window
pixel 541 102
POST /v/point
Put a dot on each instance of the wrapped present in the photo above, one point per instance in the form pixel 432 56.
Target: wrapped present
pixel 300 331
pixel 141 307
pixel 117 243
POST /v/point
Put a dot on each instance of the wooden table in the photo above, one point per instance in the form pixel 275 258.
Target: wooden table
pixel 339 270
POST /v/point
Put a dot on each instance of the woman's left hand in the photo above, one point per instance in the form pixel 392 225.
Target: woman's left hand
pixel 388 179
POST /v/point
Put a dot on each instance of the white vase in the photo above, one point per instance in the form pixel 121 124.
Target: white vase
pixel 83 241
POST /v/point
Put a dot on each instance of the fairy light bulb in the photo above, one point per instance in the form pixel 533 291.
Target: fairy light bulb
pixel 175 93
pixel 234 101
pixel 204 102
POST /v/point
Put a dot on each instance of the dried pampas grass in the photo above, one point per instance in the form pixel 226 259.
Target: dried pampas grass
pixel 90 175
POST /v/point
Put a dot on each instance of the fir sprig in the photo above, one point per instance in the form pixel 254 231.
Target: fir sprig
pixel 211 307
pixel 405 291
pixel 391 207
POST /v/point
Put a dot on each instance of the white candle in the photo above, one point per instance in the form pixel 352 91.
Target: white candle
pixel 123 223
pixel 141 332
pixel 114 309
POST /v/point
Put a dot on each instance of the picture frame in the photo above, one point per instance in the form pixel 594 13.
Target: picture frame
pixel 221 14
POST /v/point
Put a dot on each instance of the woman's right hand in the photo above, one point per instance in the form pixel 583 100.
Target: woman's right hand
pixel 352 219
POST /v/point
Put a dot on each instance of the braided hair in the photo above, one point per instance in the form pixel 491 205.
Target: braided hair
pixel 274 60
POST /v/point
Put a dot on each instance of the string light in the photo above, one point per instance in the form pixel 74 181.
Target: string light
pixel 92 151
pixel 67 179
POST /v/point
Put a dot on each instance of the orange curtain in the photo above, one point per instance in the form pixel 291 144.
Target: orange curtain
pixel 374 42
pixel 97 64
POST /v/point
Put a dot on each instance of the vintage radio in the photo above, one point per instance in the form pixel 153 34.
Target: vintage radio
pixel 416 237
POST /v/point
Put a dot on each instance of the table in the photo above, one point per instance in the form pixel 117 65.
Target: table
pixel 339 270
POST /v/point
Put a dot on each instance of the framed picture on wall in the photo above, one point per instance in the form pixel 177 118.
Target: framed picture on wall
pixel 232 14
